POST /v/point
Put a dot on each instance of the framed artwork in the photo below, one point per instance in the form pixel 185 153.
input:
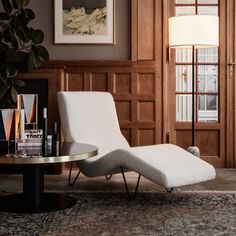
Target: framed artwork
pixel 84 21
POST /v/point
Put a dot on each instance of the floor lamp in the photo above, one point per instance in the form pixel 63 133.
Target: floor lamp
pixel 193 31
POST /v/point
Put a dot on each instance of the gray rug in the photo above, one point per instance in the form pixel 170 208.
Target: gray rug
pixel 105 214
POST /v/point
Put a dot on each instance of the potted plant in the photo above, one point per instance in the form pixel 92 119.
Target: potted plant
pixel 20 48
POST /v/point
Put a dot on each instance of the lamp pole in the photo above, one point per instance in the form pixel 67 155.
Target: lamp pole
pixel 193 98
pixel 193 149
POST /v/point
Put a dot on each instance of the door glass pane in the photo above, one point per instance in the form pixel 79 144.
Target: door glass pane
pixel 202 102
pixel 183 107
pixel 207 78
pixel 208 11
pixel 183 55
pixel 185 1
pixel 211 102
pixel 208 1
pixel 209 55
pixel 183 11
pixel 183 78
pixel 207 108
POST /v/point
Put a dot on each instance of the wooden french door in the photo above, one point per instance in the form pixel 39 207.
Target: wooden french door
pixel 215 105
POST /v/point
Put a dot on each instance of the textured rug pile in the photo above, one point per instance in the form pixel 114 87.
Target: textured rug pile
pixel 178 213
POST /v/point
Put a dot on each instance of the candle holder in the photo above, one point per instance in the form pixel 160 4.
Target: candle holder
pixel 11 126
pixel 29 102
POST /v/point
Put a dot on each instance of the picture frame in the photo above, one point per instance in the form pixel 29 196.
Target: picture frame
pixel 84 22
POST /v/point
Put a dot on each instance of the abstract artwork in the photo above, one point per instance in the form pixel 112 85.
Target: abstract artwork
pixel 84 21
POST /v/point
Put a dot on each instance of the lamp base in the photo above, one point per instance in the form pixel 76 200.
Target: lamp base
pixel 194 150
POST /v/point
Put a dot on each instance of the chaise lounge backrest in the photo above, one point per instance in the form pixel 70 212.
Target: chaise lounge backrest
pixel 90 117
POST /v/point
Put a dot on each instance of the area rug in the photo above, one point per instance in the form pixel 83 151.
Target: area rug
pixel 177 213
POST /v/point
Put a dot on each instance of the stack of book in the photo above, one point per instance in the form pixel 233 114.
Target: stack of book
pixel 32 138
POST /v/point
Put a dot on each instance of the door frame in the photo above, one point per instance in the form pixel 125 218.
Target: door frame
pixel 225 130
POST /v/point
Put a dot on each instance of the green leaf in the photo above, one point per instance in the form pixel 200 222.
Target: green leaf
pixel 14 94
pixel 21 32
pixel 33 60
pixel 31 63
pixel 25 2
pixel 2 67
pixel 19 56
pixel 22 19
pixel 3 23
pixel 3 81
pixel 29 14
pixel 36 56
pixel 3 91
pixel 3 49
pixel 13 40
pixel 11 52
pixel 42 52
pixel 37 36
pixel 17 4
pixel 7 6
pixel 4 16
pixel 6 35
pixel 14 4
pixel 11 71
pixel 19 83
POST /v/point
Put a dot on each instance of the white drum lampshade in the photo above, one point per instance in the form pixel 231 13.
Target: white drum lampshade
pixel 200 31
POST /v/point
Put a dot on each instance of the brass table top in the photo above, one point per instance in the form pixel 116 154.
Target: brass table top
pixel 33 155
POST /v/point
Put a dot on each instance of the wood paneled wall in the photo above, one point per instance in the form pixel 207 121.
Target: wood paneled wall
pixel 143 89
pixel 133 86
pixel 147 31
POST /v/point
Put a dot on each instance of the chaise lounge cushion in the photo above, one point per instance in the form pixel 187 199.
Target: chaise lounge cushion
pixel 90 117
pixel 164 164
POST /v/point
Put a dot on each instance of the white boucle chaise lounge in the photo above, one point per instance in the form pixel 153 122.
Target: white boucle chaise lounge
pixel 90 117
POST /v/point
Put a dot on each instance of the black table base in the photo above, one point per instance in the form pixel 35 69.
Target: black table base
pixel 34 199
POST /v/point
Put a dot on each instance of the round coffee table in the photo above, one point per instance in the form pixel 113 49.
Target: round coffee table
pixel 33 199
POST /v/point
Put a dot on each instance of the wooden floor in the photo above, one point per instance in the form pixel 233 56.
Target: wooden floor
pixel 225 181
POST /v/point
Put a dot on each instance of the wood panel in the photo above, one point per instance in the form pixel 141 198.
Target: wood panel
pixel 122 83
pixel 146 137
pixel 76 82
pixel 207 140
pixel 134 91
pixel 99 82
pixel 146 28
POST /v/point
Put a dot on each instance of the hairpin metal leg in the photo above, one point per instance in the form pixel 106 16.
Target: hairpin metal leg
pixel 169 190
pixel 69 179
pixel 126 186
pixel 108 177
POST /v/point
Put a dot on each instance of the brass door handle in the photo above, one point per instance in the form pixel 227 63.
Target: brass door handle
pixel 230 64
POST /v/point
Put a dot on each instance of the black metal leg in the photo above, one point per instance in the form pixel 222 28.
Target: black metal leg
pixel 108 177
pixel 33 185
pixel 69 179
pixel 126 186
pixel 169 190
